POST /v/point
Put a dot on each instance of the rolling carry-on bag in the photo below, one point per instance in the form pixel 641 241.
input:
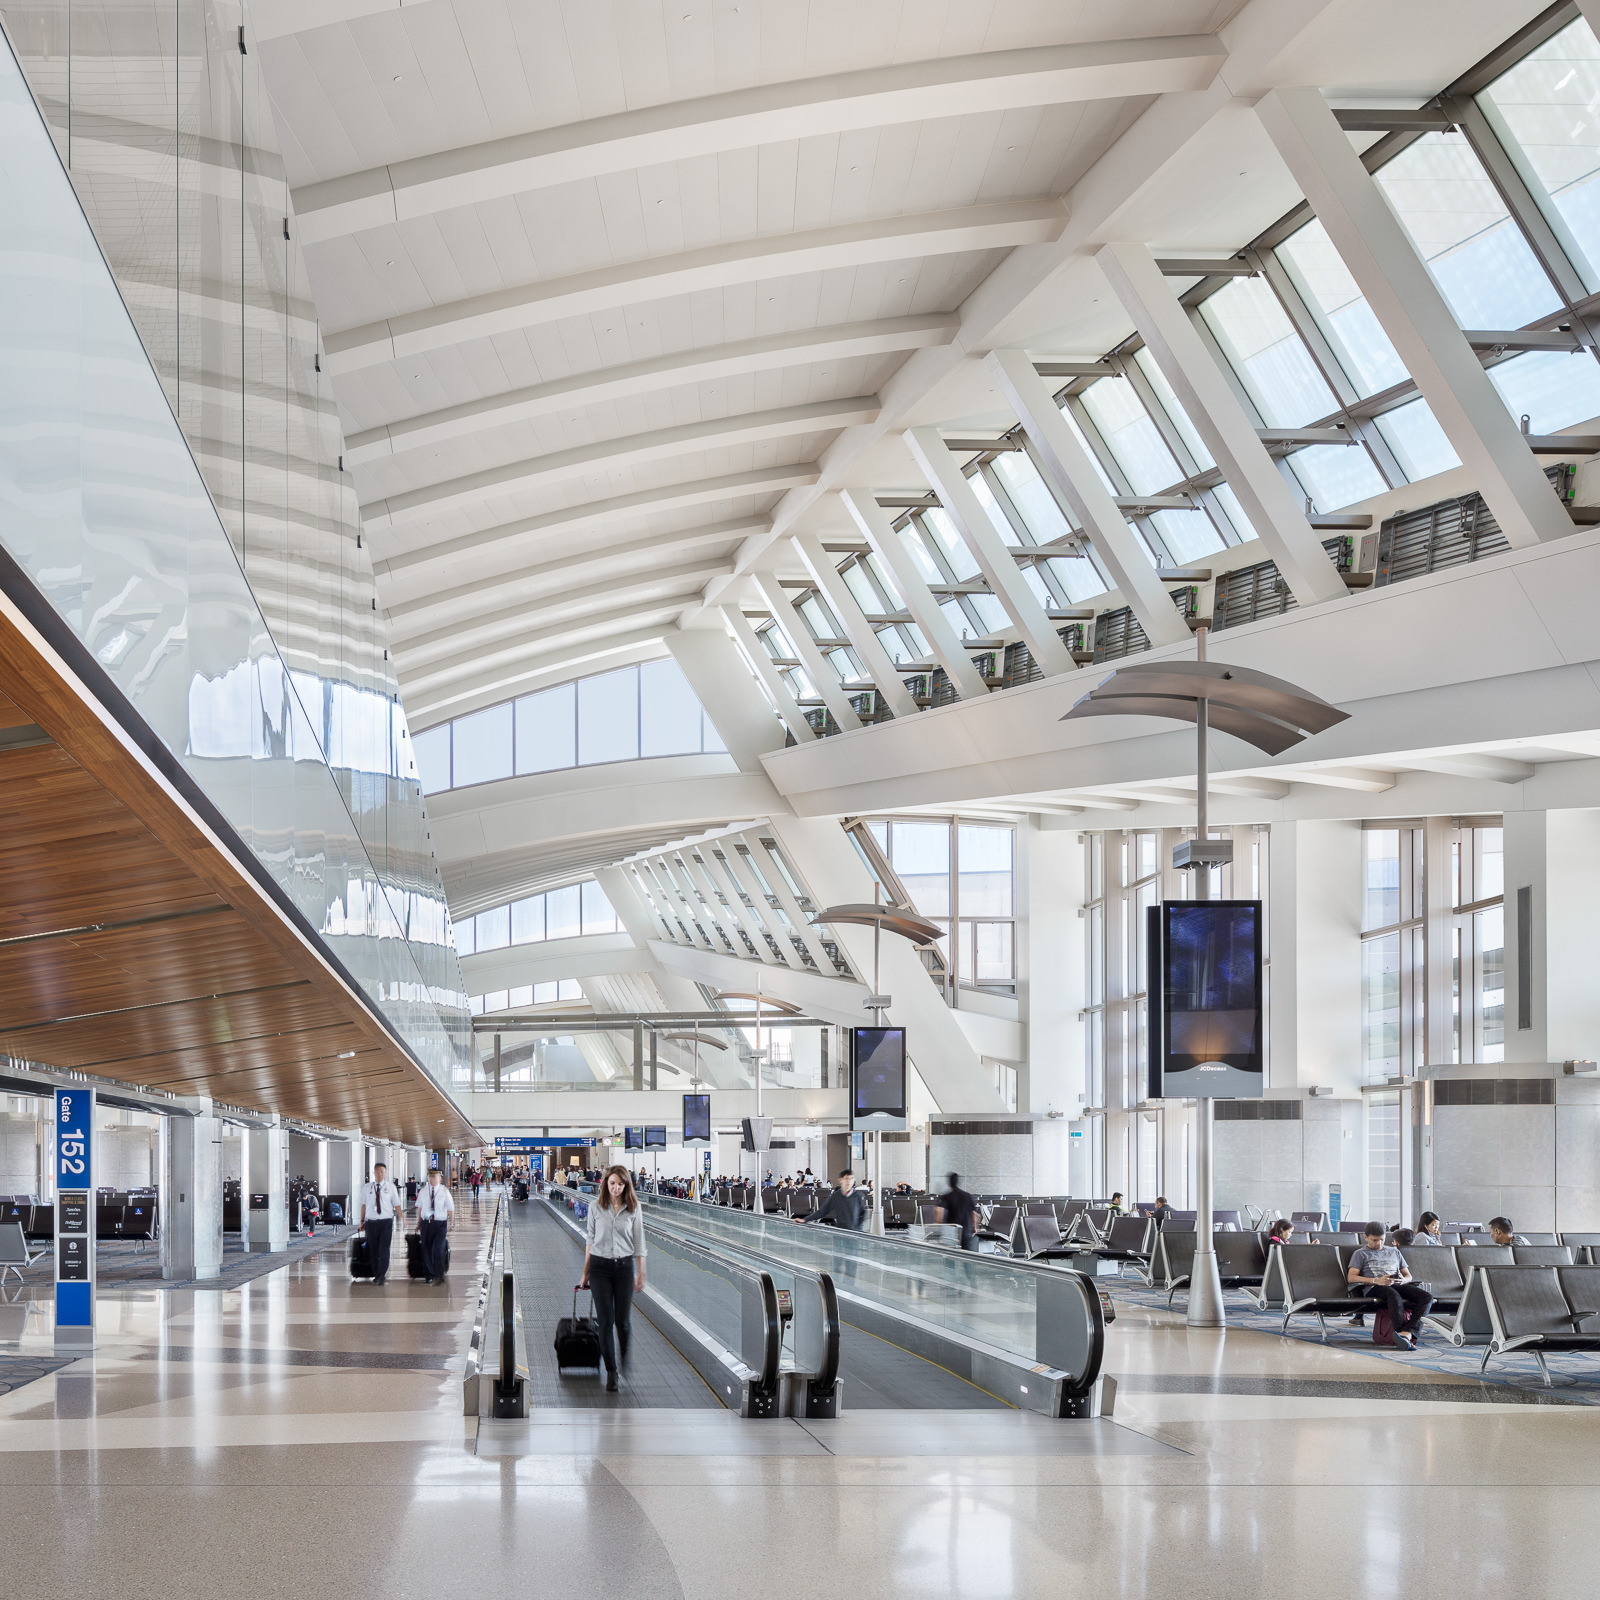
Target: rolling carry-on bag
pixel 360 1261
pixel 578 1338
pixel 414 1268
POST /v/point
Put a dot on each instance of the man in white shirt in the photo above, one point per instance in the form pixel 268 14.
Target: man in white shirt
pixel 380 1200
pixel 434 1210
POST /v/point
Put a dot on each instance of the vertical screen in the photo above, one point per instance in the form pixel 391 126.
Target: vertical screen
pixel 696 1118
pixel 879 1072
pixel 1211 998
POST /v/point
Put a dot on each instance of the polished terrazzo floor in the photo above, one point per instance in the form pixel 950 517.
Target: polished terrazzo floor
pixel 301 1435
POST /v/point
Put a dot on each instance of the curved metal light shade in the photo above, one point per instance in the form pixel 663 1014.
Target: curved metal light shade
pixel 892 919
pixel 698 1038
pixel 762 1002
pixel 1262 710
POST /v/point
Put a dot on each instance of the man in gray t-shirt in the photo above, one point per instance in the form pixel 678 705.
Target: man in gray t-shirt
pixel 1379 1272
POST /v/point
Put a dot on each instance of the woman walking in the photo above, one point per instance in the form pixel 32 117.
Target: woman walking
pixel 613 1265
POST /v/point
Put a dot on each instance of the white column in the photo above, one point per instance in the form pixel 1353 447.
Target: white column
pixel 805 647
pixel 266 1151
pixel 722 683
pixel 1071 474
pixel 947 648
pixel 992 554
pixel 776 685
pixel 1222 422
pixel 191 1195
pixel 1414 314
pixel 861 634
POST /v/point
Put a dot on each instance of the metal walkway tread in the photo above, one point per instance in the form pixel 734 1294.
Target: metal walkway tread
pixel 879 1376
pixel 549 1261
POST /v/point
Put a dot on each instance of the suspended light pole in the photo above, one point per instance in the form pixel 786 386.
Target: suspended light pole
pixel 1271 715
pixel 760 1136
pixel 881 919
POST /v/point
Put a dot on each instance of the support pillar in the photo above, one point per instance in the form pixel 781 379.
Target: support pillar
pixel 266 1159
pixel 722 684
pixel 191 1195
pixel 1414 313
pixel 817 667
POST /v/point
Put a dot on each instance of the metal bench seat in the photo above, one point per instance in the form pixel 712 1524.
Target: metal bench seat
pixel 1314 1280
pixel 1541 1308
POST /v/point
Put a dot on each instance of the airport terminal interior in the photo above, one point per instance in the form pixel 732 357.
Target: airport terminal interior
pixel 575 1020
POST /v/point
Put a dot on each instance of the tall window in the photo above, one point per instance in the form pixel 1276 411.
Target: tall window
pixel 579 908
pixel 1478 941
pixel 961 874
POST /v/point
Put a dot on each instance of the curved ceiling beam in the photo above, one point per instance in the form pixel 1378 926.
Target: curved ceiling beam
pixel 811 348
pixel 470 595
pixel 720 266
pixel 768 113
pixel 426 711
pixel 615 455
pixel 477 667
pixel 485 630
pixel 573 519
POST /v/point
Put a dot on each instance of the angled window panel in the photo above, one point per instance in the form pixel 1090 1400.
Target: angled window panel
pixel 1173 407
pixel 598 917
pixel 669 714
pixel 1335 475
pixel 1419 444
pixel 1551 388
pixel 1132 438
pixel 1266 354
pixel 1477 255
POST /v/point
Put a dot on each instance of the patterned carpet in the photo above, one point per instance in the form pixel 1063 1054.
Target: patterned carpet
pixel 1575 1377
pixel 120 1264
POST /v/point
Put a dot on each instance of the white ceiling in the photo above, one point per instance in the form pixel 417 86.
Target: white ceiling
pixel 600 284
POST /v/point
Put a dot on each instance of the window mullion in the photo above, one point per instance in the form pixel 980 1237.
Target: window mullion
pixel 1130 369
pixel 1535 227
pixel 1307 327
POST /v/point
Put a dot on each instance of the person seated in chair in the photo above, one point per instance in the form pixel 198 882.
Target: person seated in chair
pixel 1281 1232
pixel 1428 1229
pixel 1379 1272
pixel 1501 1231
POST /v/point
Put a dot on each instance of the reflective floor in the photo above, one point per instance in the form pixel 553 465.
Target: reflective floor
pixel 301 1436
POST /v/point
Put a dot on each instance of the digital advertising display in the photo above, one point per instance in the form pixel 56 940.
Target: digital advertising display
pixel 697 1118
pixel 877 1075
pixel 1210 1018
pixel 655 1138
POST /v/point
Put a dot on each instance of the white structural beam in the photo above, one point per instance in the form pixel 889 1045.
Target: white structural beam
pixel 833 874
pixel 721 266
pixel 992 82
pixel 485 630
pixel 773 681
pixel 861 634
pixel 817 667
pixel 812 347
pixel 555 527
pixel 1407 302
pixel 1071 474
pixel 721 869
pixel 798 922
pixel 951 654
pixel 474 669
pixel 279 19
pixel 1221 422
pixel 729 695
pixel 618 455
pixel 546 577
pixel 992 554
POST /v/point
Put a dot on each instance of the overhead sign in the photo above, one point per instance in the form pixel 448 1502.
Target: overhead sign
pixel 75 1228
pixel 518 1141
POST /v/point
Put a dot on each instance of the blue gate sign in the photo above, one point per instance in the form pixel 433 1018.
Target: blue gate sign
pixel 75 1220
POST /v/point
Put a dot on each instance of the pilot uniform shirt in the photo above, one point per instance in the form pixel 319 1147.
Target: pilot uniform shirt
pixel 381 1201
pixel 435 1205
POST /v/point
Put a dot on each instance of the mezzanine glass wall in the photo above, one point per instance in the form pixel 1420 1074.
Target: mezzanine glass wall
pixel 170 472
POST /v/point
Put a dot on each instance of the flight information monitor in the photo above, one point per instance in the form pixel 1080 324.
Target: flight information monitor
pixel 877 1074
pixel 633 1138
pixel 655 1138
pixel 697 1119
pixel 1210 1010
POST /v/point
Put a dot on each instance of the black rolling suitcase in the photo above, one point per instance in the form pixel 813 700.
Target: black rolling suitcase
pixel 578 1338
pixel 360 1261
pixel 414 1266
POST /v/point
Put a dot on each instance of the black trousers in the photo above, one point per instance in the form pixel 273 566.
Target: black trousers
pixel 380 1235
pixel 432 1231
pixel 1407 1302
pixel 612 1284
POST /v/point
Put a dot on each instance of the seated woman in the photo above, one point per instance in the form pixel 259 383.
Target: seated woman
pixel 1281 1232
pixel 1428 1226
pixel 1379 1272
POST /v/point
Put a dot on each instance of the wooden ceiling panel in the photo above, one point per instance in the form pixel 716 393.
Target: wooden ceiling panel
pixel 133 948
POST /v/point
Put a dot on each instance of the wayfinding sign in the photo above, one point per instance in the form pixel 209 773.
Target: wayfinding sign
pixel 75 1218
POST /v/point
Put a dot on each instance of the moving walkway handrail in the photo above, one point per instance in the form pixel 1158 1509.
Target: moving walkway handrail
pixel 818 1360
pixel 1064 1341
pixel 497 1324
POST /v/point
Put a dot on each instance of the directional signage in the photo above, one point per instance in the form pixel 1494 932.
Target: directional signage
pixel 75 1217
pixel 533 1142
